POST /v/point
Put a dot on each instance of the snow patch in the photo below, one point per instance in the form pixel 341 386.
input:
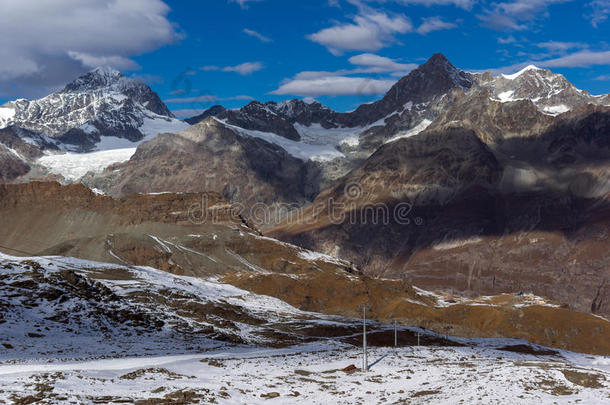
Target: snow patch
pixel 73 166
pixel 556 109
pixel 519 73
pixel 6 116
pixel 412 132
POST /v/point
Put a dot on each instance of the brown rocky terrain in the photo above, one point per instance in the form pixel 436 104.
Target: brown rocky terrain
pixel 487 210
pixel 211 157
pixel 170 232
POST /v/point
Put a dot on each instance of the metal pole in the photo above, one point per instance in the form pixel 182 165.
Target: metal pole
pixel 364 359
pixel 395 335
pixel 418 338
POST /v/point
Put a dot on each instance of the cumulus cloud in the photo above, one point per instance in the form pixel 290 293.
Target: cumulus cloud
pixel 434 24
pixel 257 35
pixel 371 63
pixel 342 82
pixel 370 31
pixel 334 86
pixel 515 15
pixel 46 43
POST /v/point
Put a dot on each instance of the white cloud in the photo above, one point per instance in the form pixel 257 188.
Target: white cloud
pixel 244 3
pixel 341 82
pixel 579 59
pixel 370 31
pixel 46 43
pixel 558 46
pixel 207 98
pixel 93 61
pixel 371 63
pixel 334 86
pixel 243 68
pixel 508 40
pixel 465 4
pixel 516 15
pixel 600 11
pixel 188 112
pixel 434 24
pixel 603 78
pixel 257 35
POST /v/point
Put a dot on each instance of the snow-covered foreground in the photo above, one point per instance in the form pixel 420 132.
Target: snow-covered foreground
pixel 313 374
pixel 76 331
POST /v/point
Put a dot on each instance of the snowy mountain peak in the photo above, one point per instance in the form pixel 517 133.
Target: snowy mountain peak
pixel 98 104
pixel 551 92
pixel 98 78
pixel 522 71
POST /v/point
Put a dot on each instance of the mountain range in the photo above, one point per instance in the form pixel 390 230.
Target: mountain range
pixel 458 181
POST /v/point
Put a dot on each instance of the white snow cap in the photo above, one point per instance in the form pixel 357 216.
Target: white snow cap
pixel 519 73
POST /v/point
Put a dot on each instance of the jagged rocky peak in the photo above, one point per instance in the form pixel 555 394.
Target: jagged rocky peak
pixel 102 102
pixel 295 107
pixel 213 111
pixel 434 78
pixel 422 86
pixel 98 78
pixel 439 66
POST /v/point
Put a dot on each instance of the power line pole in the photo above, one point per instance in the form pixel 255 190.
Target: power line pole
pixel 365 364
pixel 395 335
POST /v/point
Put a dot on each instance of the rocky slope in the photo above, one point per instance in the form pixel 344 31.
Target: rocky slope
pixel 285 153
pixel 213 157
pixel 198 235
pixel 472 206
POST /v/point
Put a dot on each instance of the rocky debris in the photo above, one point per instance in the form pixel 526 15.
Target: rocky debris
pixel 349 369
pixel 584 379
pixel 270 395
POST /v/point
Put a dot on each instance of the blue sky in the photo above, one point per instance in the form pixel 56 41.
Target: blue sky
pixel 340 52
